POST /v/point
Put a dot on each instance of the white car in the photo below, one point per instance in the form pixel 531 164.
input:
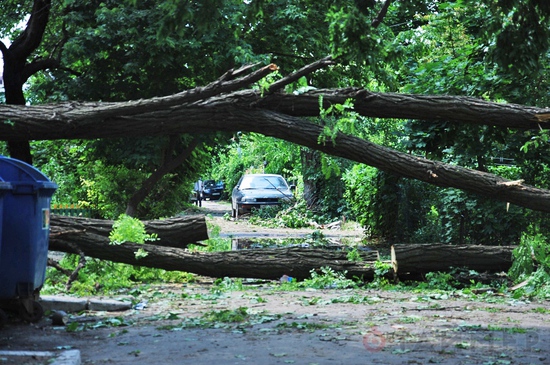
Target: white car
pixel 257 190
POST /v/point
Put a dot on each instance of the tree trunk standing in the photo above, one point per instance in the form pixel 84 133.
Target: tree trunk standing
pixel 311 167
pixel 148 185
pixel 13 86
pixel 173 232
pixel 17 70
pixel 386 201
pixel 318 185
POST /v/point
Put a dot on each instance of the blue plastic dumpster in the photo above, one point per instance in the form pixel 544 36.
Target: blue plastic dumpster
pixel 24 239
pixel 4 188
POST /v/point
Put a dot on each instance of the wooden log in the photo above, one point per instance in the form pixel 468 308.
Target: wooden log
pixel 261 263
pixel 422 258
pixel 173 232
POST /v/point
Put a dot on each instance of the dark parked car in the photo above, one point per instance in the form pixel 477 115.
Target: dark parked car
pixel 257 190
pixel 213 190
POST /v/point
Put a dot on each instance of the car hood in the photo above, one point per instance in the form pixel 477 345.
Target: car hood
pixel 266 193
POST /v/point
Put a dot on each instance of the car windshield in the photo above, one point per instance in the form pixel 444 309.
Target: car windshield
pixel 263 182
pixel 212 183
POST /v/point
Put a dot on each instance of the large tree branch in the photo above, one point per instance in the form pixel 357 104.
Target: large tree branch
pixel 218 107
pixel 88 112
pixel 408 106
pixel 31 37
pixel 221 114
pixel 148 117
pixel 233 74
pixel 38 65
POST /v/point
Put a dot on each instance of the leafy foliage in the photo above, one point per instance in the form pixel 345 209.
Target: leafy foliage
pixel 227 315
pixel 128 229
pixel 532 264
pixel 254 153
pixel 327 278
pixel 103 277
pixel 295 215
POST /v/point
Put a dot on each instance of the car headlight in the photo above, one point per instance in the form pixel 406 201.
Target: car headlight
pixel 247 199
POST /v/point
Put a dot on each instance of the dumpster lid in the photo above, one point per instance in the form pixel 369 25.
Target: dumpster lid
pixel 16 172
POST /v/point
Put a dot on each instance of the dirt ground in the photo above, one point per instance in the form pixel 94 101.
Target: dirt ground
pixel 262 324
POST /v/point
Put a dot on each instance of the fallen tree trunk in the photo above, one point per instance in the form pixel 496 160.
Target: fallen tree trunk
pixel 90 237
pixel 173 232
pixel 415 259
pixel 296 262
pixel 220 106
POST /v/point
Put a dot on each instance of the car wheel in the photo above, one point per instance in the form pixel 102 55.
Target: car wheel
pixel 240 211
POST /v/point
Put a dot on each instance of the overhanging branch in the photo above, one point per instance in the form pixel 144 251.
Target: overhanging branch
pixel 220 107
pixel 82 120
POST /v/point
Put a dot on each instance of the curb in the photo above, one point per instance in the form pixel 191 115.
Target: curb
pixel 67 357
pixel 71 304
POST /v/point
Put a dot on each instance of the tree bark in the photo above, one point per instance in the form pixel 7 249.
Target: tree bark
pixel 458 109
pixel 174 232
pixel 90 237
pixel 423 258
pixel 285 127
pixel 231 118
pixel 311 167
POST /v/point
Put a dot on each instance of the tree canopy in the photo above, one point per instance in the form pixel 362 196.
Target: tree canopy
pixel 437 91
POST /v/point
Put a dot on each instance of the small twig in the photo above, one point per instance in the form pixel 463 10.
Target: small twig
pixel 81 263
pixel 433 308
pixel 55 264
pixel 306 70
